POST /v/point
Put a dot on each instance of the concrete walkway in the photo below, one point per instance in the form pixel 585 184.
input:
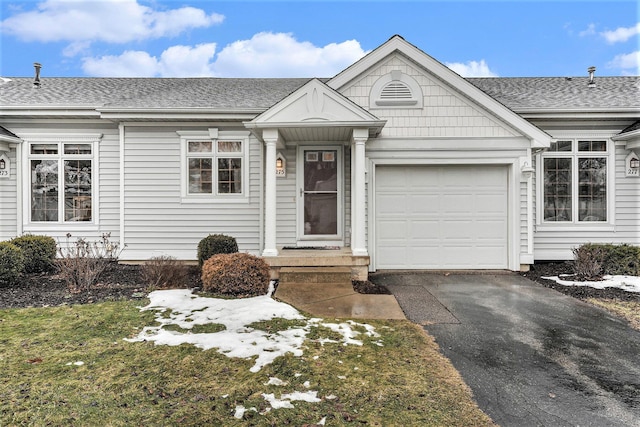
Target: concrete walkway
pixel 532 356
pixel 338 300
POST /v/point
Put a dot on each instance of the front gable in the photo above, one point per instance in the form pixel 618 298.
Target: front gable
pixel 449 105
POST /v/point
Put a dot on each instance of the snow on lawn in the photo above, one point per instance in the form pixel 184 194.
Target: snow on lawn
pixel 182 308
pixel 626 283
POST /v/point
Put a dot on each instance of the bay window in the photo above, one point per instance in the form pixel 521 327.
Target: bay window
pixel 575 181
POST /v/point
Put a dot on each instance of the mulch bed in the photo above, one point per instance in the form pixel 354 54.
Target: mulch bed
pixel 122 281
pixel 547 269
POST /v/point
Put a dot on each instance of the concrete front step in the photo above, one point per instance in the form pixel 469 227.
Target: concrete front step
pixel 315 275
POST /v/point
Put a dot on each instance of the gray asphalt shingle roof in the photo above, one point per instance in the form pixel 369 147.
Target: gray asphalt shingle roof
pixel 151 93
pixel 517 93
pixel 553 93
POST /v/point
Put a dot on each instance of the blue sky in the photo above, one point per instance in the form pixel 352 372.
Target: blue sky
pixel 192 38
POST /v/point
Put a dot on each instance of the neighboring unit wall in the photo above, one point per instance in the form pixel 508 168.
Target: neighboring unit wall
pixel 105 177
pixel 556 243
pixel 158 220
pixel 9 200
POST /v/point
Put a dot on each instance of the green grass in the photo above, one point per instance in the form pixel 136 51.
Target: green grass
pixel 405 382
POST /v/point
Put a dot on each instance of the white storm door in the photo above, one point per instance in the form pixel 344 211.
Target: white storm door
pixel 320 185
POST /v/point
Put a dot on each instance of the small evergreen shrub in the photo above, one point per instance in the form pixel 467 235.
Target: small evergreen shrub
pixel 164 272
pixel 215 244
pixel 11 263
pixel 39 252
pixel 592 261
pixel 622 259
pixel 238 274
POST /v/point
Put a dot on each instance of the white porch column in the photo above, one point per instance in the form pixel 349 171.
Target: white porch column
pixel 270 137
pixel 358 226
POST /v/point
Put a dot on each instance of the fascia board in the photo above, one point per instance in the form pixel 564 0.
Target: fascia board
pixel 316 124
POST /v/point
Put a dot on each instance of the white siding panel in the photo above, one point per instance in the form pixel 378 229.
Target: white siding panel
pixel 445 112
pixel 158 221
pixel 9 201
pixel 552 244
pixel 106 174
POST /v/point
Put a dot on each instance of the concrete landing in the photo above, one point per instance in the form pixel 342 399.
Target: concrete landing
pixel 338 300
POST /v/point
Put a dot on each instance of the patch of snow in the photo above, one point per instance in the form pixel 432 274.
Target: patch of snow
pixel 307 384
pixel 626 283
pixel 78 363
pixel 182 308
pixel 240 411
pixel 275 381
pixel 286 399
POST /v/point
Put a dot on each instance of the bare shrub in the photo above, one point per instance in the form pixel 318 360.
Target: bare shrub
pixel 82 262
pixel 588 262
pixel 164 272
pixel 238 274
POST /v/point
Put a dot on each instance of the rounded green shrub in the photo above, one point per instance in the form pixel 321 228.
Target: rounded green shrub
pixel 11 263
pixel 215 244
pixel 39 252
pixel 237 274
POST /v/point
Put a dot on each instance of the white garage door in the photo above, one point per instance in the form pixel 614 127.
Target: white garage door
pixel 441 217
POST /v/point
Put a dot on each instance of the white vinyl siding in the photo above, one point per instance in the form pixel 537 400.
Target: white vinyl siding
pixel 555 243
pixel 444 113
pixel 9 200
pixel 159 220
pixel 106 178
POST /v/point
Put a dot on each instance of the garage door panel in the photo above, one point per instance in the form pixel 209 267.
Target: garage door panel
pixel 441 217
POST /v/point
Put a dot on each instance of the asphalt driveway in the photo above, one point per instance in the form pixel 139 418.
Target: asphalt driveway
pixel 532 356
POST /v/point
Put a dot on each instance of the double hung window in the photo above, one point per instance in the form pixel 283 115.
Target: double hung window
pixel 61 181
pixel 575 181
pixel 214 167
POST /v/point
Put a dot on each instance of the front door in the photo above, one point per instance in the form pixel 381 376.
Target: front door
pixel 320 195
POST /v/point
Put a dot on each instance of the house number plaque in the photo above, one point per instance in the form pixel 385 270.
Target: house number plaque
pixel 5 166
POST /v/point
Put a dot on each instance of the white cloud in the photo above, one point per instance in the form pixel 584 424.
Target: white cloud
pixel 472 69
pixel 113 21
pixel 129 64
pixel 621 34
pixel 281 55
pixel 591 30
pixel 264 55
pixel 181 61
pixel 629 63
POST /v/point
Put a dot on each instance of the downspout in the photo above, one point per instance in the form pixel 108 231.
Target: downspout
pixel 19 195
pixel 530 208
pixel 122 186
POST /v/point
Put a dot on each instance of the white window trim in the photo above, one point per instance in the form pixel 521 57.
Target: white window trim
pixel 69 226
pixel 376 102
pixel 573 225
pixel 213 135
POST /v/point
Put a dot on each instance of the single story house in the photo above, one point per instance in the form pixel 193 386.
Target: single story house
pixel 397 161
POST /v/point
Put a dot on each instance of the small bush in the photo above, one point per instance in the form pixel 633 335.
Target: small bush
pixel 622 259
pixel 163 272
pixel 587 262
pixel 215 244
pixel 236 274
pixel 39 252
pixel 11 263
pixel 81 263
pixel 592 261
